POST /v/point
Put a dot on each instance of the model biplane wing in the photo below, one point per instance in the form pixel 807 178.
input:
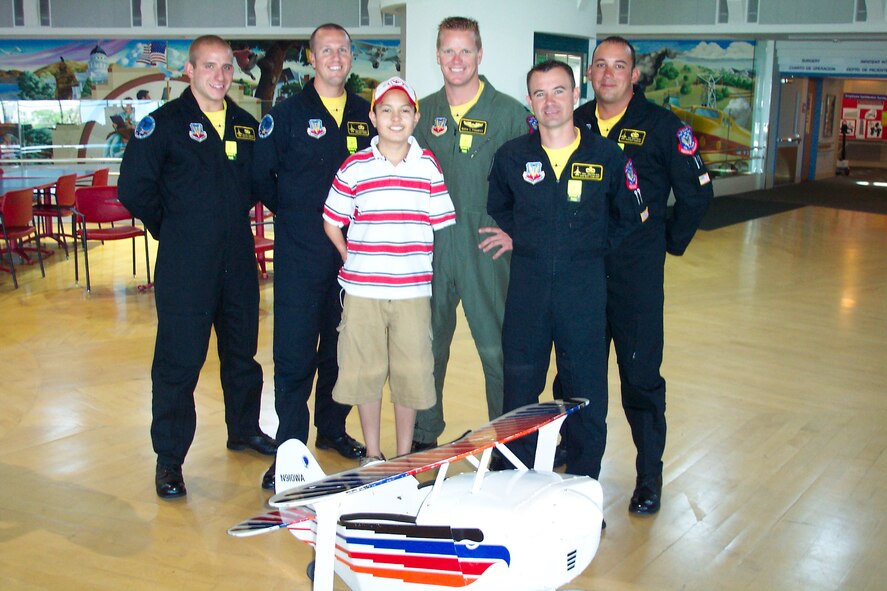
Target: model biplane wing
pixel 271 521
pixel 518 423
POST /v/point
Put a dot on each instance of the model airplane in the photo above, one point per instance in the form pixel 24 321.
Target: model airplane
pixel 378 527
pixel 378 53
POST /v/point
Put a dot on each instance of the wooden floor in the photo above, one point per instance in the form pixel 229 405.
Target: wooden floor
pixel 775 472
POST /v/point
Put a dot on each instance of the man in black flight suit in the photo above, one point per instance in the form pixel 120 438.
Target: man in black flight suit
pixel 186 175
pixel 302 142
pixel 666 156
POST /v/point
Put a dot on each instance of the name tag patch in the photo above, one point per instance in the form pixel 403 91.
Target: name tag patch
pixel 635 137
pixel 358 128
pixel 242 132
pixel 475 126
pixel 586 172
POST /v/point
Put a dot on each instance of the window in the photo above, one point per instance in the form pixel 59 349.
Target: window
pixel 161 13
pixel 752 11
pixel 45 19
pixel 18 11
pixel 861 11
pixel 723 12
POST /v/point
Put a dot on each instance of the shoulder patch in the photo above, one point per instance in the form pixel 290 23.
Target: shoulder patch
pixel 532 123
pixel 145 127
pixel 266 126
pixel 631 177
pixel 687 143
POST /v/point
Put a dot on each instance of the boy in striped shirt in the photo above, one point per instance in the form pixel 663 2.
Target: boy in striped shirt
pixel 393 198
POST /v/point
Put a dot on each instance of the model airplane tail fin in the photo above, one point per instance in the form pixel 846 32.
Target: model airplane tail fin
pixel 296 466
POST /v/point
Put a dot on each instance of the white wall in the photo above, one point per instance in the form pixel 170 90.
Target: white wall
pixel 506 28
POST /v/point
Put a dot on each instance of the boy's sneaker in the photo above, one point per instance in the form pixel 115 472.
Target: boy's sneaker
pixel 368 460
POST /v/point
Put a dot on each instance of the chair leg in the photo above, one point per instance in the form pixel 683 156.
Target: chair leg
pixel 76 263
pixel 133 256
pixel 39 253
pixel 61 229
pixel 86 259
pixel 147 258
pixel 9 254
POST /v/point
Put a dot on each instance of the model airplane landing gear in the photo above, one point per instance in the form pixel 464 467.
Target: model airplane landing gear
pixel 309 570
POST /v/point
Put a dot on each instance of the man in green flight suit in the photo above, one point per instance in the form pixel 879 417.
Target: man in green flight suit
pixel 464 123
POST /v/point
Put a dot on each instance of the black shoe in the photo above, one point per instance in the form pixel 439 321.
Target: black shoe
pixel 346 445
pixel 419 446
pixel 169 482
pixel 647 496
pixel 560 455
pixel 268 477
pixel 258 442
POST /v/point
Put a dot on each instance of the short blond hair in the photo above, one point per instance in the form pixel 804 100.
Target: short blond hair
pixel 459 23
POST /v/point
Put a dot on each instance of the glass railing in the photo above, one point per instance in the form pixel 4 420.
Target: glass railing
pixel 66 131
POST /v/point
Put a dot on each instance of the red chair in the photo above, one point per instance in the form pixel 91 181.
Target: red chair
pixel 100 177
pixel 17 220
pixel 263 243
pixel 61 205
pixel 99 205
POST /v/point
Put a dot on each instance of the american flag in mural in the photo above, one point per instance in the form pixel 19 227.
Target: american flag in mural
pixel 153 52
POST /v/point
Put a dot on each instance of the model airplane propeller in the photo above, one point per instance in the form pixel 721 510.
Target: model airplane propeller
pixel 378 527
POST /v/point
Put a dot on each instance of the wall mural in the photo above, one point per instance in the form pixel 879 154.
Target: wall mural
pixel 78 98
pixel 710 86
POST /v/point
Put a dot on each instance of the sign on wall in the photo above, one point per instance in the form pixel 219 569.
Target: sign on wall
pixel 864 116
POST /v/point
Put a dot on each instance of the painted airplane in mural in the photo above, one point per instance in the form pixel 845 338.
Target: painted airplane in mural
pixel 379 528
pixel 722 141
pixel 378 54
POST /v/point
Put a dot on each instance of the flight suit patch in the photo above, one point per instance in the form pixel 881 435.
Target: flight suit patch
pixel 533 173
pixel 687 143
pixel 634 137
pixel 358 128
pixel 439 127
pixel 197 133
pixel 316 128
pixel 242 132
pixel 266 126
pixel 145 128
pixel 587 172
pixel 473 126
pixel 631 177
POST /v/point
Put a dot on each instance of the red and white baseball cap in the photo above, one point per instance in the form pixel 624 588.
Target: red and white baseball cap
pixel 394 83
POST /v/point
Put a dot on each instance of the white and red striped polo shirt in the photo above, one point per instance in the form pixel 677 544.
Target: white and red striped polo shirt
pixel 391 213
